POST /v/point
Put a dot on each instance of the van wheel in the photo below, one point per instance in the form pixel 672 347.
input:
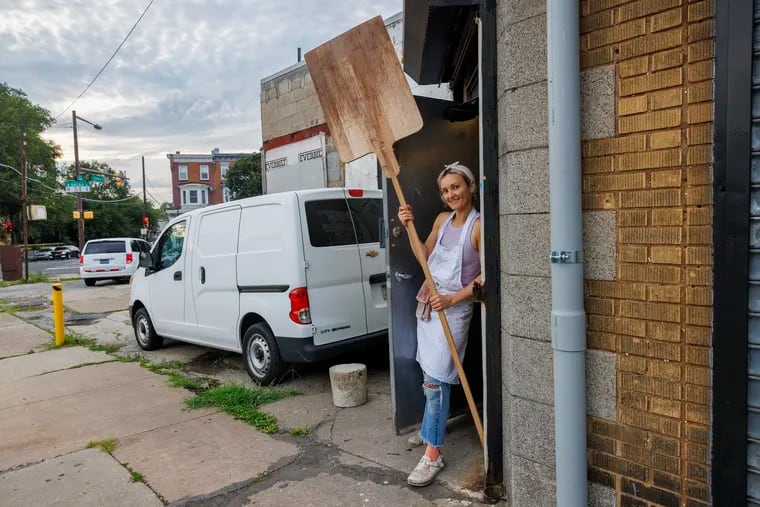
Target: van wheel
pixel 145 335
pixel 262 357
pixel 89 282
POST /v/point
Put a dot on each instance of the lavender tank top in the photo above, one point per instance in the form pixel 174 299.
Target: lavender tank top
pixel 470 256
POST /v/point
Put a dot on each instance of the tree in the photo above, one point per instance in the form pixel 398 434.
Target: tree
pixel 244 177
pixel 18 116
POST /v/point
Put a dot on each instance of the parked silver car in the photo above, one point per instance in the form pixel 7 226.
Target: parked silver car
pixel 41 254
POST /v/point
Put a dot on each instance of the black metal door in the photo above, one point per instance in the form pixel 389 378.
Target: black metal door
pixel 421 157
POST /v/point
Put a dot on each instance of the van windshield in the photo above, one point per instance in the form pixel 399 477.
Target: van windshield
pixel 101 247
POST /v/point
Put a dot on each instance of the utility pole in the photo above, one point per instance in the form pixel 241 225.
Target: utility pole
pixel 145 199
pixel 24 205
pixel 80 220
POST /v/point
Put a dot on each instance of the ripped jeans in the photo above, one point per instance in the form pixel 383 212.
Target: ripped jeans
pixel 437 398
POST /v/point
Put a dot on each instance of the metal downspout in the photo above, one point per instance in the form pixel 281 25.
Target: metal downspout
pixel 568 317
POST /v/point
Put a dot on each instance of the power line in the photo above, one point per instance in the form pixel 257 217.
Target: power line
pixel 58 190
pixel 109 61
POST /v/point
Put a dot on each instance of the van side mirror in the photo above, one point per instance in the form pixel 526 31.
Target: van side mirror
pixel 146 261
pixel 381 227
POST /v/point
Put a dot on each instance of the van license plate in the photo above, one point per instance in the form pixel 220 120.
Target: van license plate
pixel 105 261
pixel 385 292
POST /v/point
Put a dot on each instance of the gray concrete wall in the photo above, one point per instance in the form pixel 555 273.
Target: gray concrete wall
pixel 528 414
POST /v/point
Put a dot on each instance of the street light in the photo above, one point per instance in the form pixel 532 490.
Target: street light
pixel 80 220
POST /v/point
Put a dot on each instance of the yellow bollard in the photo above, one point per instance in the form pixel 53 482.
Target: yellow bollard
pixel 58 313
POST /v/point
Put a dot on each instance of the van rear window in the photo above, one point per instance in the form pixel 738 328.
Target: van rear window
pixel 101 247
pixel 367 214
pixel 329 223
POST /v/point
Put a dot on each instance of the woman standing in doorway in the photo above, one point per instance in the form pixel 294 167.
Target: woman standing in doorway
pixel 452 253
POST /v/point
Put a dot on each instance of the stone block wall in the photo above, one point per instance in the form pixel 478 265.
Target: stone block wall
pixel 289 104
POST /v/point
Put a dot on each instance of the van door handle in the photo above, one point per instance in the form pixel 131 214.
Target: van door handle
pixel 203 274
pixel 178 275
pixel 400 277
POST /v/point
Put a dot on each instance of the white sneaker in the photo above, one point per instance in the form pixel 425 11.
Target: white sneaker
pixel 425 471
pixel 414 440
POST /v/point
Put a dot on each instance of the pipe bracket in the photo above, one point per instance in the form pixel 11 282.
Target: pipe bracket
pixel 566 256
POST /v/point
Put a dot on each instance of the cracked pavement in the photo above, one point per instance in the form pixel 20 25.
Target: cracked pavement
pixel 54 402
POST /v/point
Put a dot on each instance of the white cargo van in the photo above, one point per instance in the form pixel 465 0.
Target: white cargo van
pixel 288 277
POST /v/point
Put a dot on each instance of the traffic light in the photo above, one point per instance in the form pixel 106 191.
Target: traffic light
pixel 8 227
pixel 146 222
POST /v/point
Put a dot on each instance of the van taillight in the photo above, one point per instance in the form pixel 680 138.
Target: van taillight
pixel 299 306
pixel 81 260
pixel 129 258
pixel 355 192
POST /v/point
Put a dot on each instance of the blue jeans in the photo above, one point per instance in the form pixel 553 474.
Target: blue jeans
pixel 437 400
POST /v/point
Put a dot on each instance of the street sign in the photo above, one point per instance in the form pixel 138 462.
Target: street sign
pixel 76 186
pixel 97 178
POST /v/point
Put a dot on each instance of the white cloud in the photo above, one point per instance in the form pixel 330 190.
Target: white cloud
pixel 187 79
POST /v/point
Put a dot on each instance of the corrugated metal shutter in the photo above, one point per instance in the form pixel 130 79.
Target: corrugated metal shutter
pixel 753 394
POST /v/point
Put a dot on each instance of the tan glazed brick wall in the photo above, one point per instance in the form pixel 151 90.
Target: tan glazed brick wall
pixel 656 174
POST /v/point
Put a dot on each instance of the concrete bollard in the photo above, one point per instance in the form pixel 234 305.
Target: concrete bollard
pixel 349 384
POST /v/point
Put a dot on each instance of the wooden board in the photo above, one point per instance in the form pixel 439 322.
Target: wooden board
pixel 363 90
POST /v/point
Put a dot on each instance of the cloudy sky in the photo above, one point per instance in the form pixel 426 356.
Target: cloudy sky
pixel 187 79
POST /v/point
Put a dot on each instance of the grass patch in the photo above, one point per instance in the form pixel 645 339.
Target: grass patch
pixel 176 379
pixel 108 445
pixel 164 367
pixel 72 339
pixel 300 432
pixel 108 349
pixel 33 278
pixel 242 403
pixel 137 476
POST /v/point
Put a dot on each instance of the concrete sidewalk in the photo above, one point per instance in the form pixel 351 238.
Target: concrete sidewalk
pixel 54 402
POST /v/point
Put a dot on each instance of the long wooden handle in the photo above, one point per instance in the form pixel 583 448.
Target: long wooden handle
pixel 390 168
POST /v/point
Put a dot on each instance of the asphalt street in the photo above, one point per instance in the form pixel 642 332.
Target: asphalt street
pixel 55 268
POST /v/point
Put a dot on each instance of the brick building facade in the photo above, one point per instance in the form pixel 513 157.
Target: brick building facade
pixel 198 179
pixel 656 174
pixel 647 103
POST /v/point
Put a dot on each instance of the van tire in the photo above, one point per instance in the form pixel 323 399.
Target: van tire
pixel 145 333
pixel 262 357
pixel 89 282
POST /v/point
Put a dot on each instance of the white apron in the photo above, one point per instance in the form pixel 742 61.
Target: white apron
pixel 445 263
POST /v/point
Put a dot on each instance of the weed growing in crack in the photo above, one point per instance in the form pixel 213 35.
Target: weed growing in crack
pixel 137 476
pixel 108 445
pixel 176 379
pixel 300 432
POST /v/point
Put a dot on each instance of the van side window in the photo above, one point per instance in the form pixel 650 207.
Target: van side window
pixel 170 245
pixel 329 223
pixel 366 214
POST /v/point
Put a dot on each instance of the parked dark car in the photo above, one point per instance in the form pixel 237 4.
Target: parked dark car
pixel 65 252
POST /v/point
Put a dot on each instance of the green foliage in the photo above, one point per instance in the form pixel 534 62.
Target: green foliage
pixel 137 476
pixel 19 116
pixel 242 403
pixel 244 177
pixel 299 432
